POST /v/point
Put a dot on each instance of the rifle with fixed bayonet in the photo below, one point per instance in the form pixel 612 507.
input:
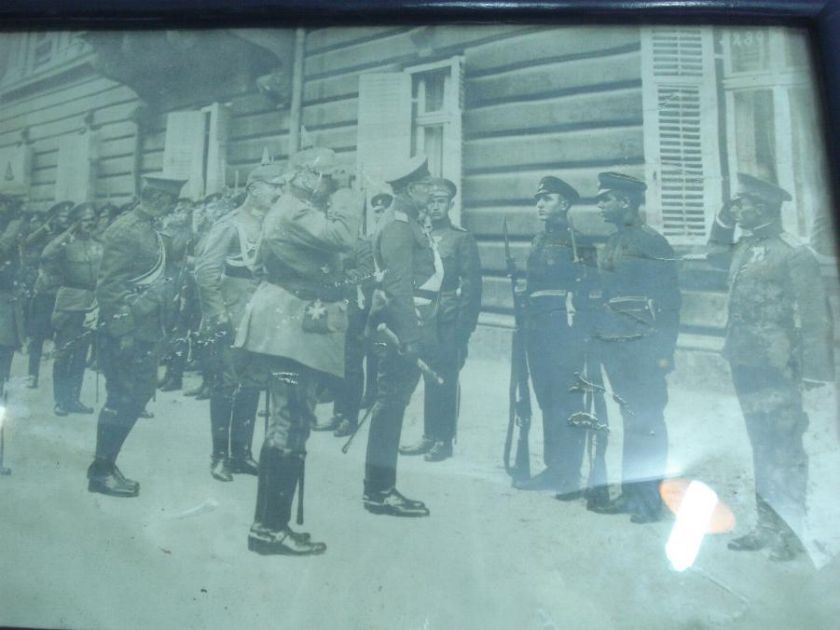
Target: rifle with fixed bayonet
pixel 519 393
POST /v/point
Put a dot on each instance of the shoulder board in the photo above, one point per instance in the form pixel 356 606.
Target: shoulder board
pixel 458 228
pixel 400 216
pixel 790 240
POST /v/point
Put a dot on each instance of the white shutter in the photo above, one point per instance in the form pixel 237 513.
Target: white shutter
pixel 681 130
pixel 74 172
pixel 183 153
pixel 216 148
pixel 16 164
pixel 384 126
pixel 453 136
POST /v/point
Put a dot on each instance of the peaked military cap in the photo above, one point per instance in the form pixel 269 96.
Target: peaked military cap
pixel 382 198
pixel 550 184
pixel 441 185
pixel 165 183
pixel 750 186
pixel 268 173
pixel 411 170
pixel 610 181
pixel 319 159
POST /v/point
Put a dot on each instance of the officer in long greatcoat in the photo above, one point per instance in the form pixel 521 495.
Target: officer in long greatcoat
pixel 406 302
pixel 779 341
pixel 226 275
pixel 73 259
pixel 637 334
pixel 133 295
pixel 293 332
pixel 458 309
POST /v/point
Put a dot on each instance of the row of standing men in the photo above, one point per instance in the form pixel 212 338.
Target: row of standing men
pixel 288 292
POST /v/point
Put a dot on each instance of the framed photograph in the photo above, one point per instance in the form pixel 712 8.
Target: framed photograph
pixel 419 315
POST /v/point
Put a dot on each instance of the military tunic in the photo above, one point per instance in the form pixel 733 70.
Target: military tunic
pixel 637 331
pixel 458 309
pixel 412 273
pixel 562 282
pixel 778 333
pixel 75 262
pixel 294 325
pixel 132 293
pixel 225 273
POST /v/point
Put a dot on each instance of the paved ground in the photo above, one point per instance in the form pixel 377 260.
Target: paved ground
pixel 489 556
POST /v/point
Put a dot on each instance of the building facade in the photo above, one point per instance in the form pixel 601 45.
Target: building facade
pixel 494 107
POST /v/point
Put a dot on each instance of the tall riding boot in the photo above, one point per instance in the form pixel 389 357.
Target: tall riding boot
pixel 278 478
pixel 245 405
pixel 220 414
pixel 103 475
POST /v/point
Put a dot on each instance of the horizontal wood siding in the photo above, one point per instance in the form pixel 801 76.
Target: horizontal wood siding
pixel 53 113
pixel 563 101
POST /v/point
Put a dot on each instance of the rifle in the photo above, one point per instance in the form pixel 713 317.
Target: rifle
pixel 519 393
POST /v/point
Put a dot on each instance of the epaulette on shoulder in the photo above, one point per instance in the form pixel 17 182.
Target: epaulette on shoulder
pixel 790 240
pixel 400 216
pixel 458 228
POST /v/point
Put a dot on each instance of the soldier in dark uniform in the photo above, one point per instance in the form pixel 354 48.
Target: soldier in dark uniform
pixel 42 300
pixel 225 272
pixel 293 330
pixel 406 300
pixel 133 294
pixel 561 275
pixel 458 309
pixel 358 284
pixel 73 258
pixel 11 311
pixel 778 341
pixel 637 334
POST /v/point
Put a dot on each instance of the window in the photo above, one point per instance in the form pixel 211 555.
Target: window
pixel 681 131
pixel 194 149
pixel 773 119
pixel 402 114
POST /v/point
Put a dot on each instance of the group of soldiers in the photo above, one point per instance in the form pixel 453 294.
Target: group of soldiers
pixel 288 290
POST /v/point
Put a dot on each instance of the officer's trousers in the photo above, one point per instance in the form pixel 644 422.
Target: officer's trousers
pixel 396 381
pixel 292 390
pixel 772 406
pixel 440 402
pixel 130 381
pixel 233 406
pixel 556 351
pixel 639 381
pixel 71 347
pixel 348 398
pixel 39 329
pixel 6 355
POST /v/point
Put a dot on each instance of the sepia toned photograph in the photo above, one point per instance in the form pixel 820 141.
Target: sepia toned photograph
pixel 418 326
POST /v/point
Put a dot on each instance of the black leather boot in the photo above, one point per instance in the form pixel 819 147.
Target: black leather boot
pixel 220 413
pixel 277 481
pixel 105 478
pixel 245 406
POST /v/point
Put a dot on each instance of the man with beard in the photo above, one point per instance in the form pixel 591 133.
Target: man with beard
pixel 457 317
pixel 293 332
pixel 133 295
pixel 406 302
pixel 225 273
pixel 73 259
pixel 779 342
pixel 637 334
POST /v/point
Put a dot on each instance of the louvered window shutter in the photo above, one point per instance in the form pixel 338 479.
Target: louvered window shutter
pixel 384 126
pixel 183 153
pixel 681 131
